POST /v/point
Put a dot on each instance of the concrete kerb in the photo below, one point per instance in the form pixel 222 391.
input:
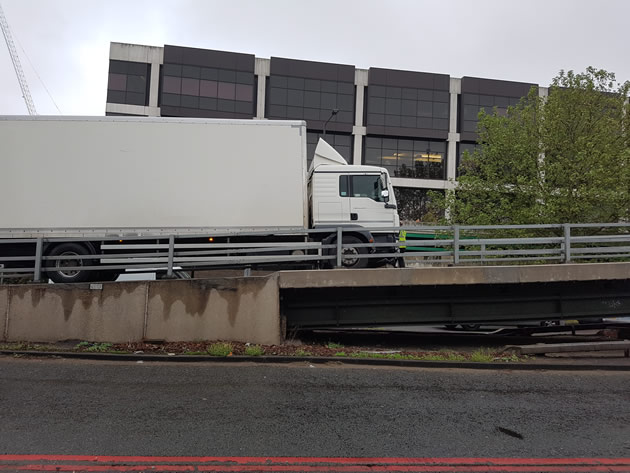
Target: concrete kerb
pixel 322 360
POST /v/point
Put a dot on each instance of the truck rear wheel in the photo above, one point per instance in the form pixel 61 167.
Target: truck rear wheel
pixel 56 269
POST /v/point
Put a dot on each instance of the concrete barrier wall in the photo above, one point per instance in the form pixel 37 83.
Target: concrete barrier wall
pixel 235 309
pixel 112 313
pixel 4 308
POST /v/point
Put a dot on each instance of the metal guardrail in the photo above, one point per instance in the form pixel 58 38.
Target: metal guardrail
pixel 456 245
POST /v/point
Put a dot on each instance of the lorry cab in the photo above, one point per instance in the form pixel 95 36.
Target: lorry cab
pixel 349 195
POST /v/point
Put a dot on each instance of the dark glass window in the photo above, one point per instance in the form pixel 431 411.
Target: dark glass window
pixel 128 82
pixel 472 104
pixel 361 186
pixel 366 186
pixel 172 85
pixel 244 93
pixel 227 90
pixel 117 82
pixel 208 89
pixel 343 186
pixel 310 99
pixel 207 73
pixel 189 101
pixel 424 159
pixel 404 107
pixel 190 87
pixel 192 72
pixel 207 103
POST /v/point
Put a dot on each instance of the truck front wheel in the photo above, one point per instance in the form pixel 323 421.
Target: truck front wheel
pixel 56 269
pixel 351 257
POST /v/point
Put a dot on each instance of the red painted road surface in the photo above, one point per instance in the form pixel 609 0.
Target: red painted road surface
pixel 91 463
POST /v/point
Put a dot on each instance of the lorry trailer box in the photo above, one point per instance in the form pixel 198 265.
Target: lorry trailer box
pixel 127 172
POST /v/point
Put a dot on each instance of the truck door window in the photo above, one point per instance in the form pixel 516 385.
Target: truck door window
pixel 343 186
pixel 367 186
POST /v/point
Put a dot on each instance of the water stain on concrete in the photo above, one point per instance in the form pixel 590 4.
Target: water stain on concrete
pixel 193 294
pixel 196 294
pixel 67 297
pixel 69 294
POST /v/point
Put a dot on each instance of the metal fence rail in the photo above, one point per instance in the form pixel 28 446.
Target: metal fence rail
pixel 166 252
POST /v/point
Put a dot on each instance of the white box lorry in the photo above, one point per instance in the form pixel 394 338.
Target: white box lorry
pixel 95 177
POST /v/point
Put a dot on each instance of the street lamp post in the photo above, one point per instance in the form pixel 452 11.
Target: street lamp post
pixel 334 112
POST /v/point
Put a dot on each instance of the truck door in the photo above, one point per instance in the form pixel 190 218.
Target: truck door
pixel 367 205
pixel 330 199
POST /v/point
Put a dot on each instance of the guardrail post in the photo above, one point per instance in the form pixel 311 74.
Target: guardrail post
pixel 37 273
pixel 567 242
pixel 171 254
pixel 483 253
pixel 339 245
pixel 456 244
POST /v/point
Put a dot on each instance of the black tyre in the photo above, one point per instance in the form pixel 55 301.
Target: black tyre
pixel 471 326
pixel 56 268
pixel 107 275
pixel 351 257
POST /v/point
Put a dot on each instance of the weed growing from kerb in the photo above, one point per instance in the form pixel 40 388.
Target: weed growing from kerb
pixel 254 350
pixel 94 347
pixel 220 349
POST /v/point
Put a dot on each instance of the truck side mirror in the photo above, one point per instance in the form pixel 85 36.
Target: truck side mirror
pixel 384 192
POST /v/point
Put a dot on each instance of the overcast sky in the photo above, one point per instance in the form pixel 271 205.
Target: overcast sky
pixel 64 44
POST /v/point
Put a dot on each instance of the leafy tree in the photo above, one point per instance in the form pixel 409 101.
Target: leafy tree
pixel 562 159
pixel 414 205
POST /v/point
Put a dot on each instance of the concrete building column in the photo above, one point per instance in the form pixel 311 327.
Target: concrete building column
pixel 453 137
pixel 152 55
pixel 157 59
pixel 359 130
pixel 262 69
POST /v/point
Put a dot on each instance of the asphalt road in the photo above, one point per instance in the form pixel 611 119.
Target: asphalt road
pixel 123 408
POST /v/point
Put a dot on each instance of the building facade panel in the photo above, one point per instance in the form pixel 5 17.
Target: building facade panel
pixel 405 103
pixel 128 82
pixel 478 93
pixel 407 122
pixel 206 83
pixel 310 91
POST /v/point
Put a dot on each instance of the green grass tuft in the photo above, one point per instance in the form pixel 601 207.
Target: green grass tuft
pixel 220 349
pixel 254 350
pixel 482 355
